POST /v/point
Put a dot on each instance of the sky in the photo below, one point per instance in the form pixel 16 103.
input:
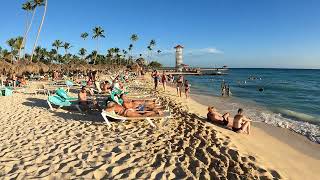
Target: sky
pixel 236 33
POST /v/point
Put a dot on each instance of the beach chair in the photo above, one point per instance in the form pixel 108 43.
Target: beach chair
pixel 106 115
pixel 61 102
pixel 6 91
pixel 63 94
pixel 69 84
pixel 41 89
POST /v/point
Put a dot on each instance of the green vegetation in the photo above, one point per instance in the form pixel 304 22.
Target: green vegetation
pixel 113 56
pixel 155 65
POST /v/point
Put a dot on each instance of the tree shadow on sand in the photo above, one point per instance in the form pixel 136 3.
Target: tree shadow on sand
pixel 66 113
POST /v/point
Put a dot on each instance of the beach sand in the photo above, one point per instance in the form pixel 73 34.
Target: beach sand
pixel 64 144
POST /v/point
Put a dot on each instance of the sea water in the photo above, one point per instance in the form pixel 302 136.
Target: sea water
pixel 284 97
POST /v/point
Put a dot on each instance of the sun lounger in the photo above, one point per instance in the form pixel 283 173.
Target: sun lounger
pixel 106 115
pixel 63 94
pixel 61 102
pixel 6 91
pixel 41 89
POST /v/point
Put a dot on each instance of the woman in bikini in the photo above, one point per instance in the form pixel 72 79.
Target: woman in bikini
pixel 164 80
pixel 121 111
pixel 187 88
pixel 179 85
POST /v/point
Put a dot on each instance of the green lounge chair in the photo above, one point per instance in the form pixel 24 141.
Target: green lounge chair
pixel 63 94
pixel 61 102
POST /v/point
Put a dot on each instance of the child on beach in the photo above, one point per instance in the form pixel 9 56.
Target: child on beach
pixel 187 88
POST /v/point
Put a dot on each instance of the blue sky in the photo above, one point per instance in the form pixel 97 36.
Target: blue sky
pixel 237 33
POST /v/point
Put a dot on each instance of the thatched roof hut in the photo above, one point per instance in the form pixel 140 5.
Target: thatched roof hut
pixel 6 67
pixel 43 68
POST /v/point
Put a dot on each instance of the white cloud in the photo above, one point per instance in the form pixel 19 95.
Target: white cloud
pixel 204 51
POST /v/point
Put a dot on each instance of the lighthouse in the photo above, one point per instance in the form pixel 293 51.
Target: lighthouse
pixel 179 60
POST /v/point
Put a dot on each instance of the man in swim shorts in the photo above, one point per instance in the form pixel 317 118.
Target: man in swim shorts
pixel 241 124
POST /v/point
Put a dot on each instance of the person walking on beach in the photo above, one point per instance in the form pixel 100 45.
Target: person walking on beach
pixel 164 80
pixel 241 124
pixel 179 85
pixel 155 77
pixel 187 88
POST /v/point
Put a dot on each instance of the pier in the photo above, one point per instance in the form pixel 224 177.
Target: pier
pixel 196 71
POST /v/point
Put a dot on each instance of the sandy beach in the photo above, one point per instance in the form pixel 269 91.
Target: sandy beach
pixel 64 144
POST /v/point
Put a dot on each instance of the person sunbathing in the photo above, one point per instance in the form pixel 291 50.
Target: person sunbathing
pixel 138 104
pixel 106 87
pixel 84 102
pixel 218 118
pixel 121 111
pixel 241 124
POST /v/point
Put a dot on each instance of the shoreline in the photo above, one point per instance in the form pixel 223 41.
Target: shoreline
pixel 275 147
pixel 280 133
pixel 264 114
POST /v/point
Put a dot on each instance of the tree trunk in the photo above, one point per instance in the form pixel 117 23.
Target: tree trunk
pixel 95 59
pixel 40 27
pixel 24 41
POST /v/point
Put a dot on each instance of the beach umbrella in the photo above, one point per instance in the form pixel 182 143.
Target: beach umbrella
pixel 43 68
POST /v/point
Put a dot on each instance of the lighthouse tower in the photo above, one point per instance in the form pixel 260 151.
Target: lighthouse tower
pixel 179 60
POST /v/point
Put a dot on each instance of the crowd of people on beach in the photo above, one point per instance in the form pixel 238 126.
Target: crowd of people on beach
pixel 180 83
pixel 225 89
pixel 239 123
pixel 117 101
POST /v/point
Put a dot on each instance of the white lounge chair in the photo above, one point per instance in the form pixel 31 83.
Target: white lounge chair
pixel 106 115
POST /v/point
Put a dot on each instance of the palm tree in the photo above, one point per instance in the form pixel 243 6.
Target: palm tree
pixel 150 47
pixel 11 43
pixel 38 53
pixel 84 35
pixel 82 52
pixel 57 44
pixel 98 32
pixel 19 44
pixel 134 38
pixel 93 56
pixel 159 51
pixel 28 7
pixel 39 3
pixel 66 47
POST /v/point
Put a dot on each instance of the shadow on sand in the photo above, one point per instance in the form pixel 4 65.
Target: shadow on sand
pixel 70 113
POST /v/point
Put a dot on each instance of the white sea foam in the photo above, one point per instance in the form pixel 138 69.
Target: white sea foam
pixel 308 127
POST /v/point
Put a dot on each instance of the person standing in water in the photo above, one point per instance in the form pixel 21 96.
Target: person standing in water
pixel 179 85
pixel 228 90
pixel 187 88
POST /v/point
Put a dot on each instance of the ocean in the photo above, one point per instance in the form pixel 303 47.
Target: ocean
pixel 288 98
